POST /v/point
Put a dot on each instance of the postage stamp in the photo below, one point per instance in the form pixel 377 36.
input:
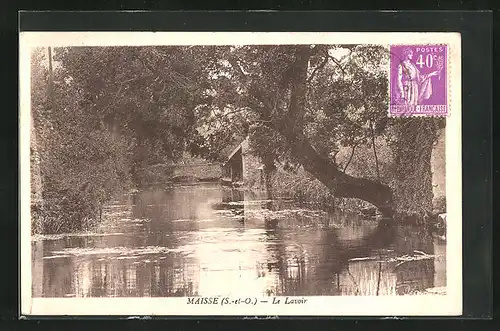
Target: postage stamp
pixel 418 80
pixel 161 174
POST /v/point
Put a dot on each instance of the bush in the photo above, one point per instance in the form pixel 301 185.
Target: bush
pixel 79 163
pixel 75 188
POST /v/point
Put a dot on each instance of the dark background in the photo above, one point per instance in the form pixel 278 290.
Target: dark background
pixel 477 70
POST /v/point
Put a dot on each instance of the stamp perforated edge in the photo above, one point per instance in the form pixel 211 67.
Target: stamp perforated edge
pixel 449 91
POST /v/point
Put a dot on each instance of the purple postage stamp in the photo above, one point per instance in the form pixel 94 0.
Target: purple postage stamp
pixel 418 80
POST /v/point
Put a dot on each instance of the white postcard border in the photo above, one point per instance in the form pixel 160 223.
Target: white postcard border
pixel 432 305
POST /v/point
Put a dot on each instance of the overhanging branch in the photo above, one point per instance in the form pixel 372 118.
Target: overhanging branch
pixel 319 67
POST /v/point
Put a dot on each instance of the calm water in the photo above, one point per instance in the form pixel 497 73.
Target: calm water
pixel 208 240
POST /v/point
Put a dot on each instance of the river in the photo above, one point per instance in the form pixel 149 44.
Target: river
pixel 205 240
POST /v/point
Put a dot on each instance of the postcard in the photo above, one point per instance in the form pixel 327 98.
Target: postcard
pixel 241 174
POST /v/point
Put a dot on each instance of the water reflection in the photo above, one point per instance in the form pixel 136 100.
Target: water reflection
pixel 209 240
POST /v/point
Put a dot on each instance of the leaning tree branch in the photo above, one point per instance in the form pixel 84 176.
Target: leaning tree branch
pixel 337 62
pixel 374 149
pixel 233 61
pixel 319 67
pixel 350 157
pixel 323 168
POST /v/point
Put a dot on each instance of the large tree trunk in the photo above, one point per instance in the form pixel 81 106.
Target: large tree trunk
pixel 414 140
pixel 291 127
pixel 341 184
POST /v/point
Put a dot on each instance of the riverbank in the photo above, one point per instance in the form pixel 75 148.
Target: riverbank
pixel 309 192
pixel 67 211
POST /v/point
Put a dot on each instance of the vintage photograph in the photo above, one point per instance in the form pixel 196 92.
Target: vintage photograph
pixel 239 171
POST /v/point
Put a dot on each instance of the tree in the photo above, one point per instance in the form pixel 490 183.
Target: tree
pixel 412 144
pixel 81 165
pixel 307 103
pixel 276 81
pixel 110 111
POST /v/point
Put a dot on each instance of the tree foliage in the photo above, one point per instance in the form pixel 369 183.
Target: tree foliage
pixel 81 163
pixel 309 101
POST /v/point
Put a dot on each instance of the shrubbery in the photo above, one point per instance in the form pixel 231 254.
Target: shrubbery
pixel 78 176
pixel 80 164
